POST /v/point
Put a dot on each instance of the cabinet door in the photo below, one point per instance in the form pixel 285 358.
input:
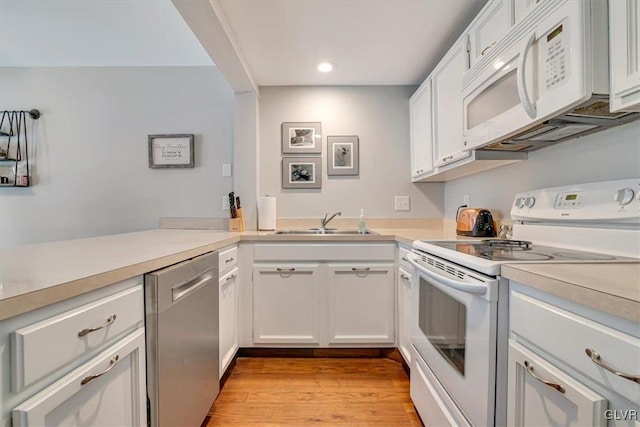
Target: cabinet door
pixel 421 122
pixel 447 95
pixel 286 304
pixel 561 401
pixel 109 390
pixel 228 315
pixel 491 24
pixel 361 304
pixel 624 42
pixel 404 315
pixel 523 7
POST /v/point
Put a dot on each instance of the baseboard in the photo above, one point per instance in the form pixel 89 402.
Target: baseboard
pixel 318 352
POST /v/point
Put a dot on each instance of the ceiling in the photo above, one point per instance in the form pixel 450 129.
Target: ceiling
pixel 60 33
pixel 371 42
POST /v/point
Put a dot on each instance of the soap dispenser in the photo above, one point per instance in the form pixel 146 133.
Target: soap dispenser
pixel 362 226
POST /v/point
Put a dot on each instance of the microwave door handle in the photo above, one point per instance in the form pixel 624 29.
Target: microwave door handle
pixel 469 288
pixel 529 107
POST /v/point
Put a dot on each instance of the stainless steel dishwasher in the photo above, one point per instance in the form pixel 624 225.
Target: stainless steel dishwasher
pixel 181 303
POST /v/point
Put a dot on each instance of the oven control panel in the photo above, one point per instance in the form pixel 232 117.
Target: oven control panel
pixel 607 201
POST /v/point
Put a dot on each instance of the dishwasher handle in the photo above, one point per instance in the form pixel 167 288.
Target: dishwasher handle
pixel 186 288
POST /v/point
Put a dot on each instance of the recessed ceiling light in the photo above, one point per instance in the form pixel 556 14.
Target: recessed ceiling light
pixel 325 67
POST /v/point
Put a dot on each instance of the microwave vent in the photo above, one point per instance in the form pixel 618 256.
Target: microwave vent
pixel 598 109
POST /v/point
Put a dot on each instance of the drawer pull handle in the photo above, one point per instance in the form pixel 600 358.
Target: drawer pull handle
pixel 360 269
pixel 404 258
pixel 555 386
pixel 114 362
pixel 109 321
pixel 404 276
pixel 285 270
pixel 233 276
pixel 228 260
pixel 487 48
pixel 595 358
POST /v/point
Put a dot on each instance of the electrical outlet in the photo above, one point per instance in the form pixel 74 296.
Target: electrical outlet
pixel 465 200
pixel 402 203
pixel 225 202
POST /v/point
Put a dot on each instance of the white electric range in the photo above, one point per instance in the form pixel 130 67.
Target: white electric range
pixel 460 302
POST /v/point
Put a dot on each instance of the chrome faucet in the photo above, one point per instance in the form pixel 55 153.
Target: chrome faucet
pixel 324 221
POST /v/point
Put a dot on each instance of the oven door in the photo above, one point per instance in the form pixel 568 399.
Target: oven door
pixel 453 329
pixel 539 69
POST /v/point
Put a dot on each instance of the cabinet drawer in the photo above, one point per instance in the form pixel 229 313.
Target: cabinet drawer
pixel 567 336
pixel 108 390
pixel 227 259
pixel 45 346
pixel 403 261
pixel 325 251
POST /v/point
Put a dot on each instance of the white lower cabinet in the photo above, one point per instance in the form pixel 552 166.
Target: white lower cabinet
pixel 108 390
pixel 404 314
pixel 228 318
pixel 542 395
pixel 570 365
pixel 285 304
pixel 361 303
pixel 322 295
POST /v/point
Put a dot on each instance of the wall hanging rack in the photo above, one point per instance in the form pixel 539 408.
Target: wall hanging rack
pixel 14 148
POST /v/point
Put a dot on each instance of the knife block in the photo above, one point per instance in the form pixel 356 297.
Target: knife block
pixel 237 224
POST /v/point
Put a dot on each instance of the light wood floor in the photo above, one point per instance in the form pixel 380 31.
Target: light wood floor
pixel 315 391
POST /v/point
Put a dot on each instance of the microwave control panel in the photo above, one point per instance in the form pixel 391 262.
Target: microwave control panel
pixel 554 51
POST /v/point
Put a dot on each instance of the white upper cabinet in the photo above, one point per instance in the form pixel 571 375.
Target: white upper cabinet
pixel 447 94
pixel 421 125
pixel 488 28
pixel 624 43
pixel 522 8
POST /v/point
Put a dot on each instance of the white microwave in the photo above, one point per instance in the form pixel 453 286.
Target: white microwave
pixel 546 81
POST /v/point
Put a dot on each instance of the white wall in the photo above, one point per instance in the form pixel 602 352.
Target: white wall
pixel 91 169
pixel 608 155
pixel 379 115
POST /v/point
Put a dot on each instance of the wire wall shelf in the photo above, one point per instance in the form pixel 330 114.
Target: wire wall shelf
pixel 14 147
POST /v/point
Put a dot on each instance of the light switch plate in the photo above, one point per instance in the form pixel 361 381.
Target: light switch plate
pixel 226 169
pixel 402 203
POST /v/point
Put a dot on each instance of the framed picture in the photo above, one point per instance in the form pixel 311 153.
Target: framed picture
pixel 343 156
pixel 301 137
pixel 301 172
pixel 171 151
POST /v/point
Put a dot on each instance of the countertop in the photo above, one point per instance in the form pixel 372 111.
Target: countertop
pixel 612 288
pixel 33 276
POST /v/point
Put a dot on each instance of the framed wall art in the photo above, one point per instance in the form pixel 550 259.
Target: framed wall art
pixel 301 137
pixel 302 172
pixel 343 155
pixel 171 151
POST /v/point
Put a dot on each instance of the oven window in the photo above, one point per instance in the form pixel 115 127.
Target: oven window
pixel 493 100
pixel 442 319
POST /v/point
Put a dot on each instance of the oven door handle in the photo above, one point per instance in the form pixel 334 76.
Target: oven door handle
pixel 455 284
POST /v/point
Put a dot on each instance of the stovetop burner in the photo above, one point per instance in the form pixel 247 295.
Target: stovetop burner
pixel 503 243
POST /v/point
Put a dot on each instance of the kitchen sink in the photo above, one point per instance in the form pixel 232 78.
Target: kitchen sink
pixel 319 232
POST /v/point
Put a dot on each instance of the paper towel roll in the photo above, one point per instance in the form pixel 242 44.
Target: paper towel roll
pixel 266 213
